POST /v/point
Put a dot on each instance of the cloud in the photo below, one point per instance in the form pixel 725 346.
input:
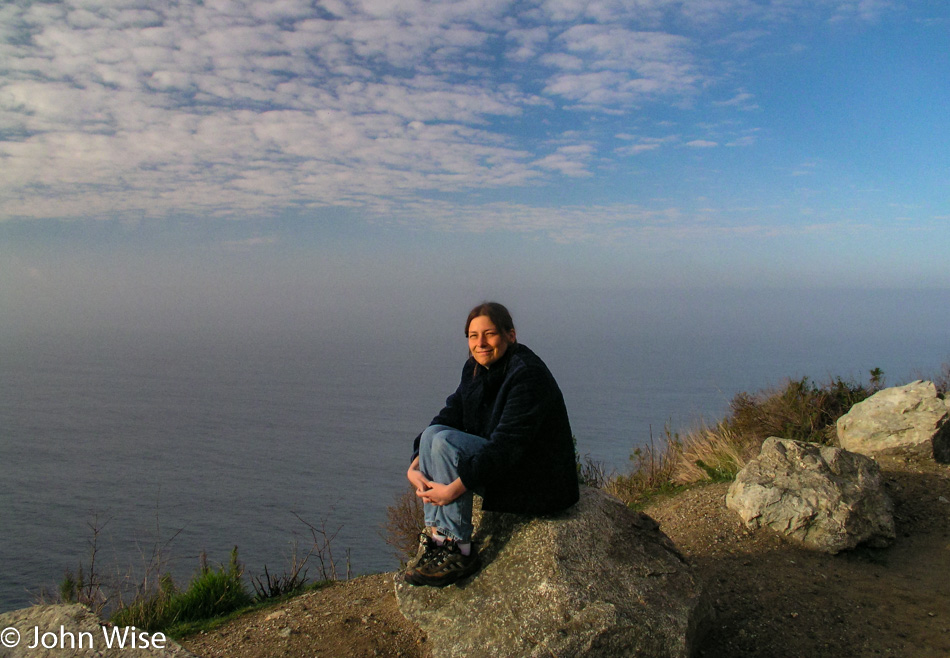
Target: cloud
pixel 644 12
pixel 805 169
pixel 236 107
pixel 742 100
pixel 565 224
pixel 248 244
pixel 747 140
pixel 642 144
pixel 215 109
pixel 620 66
pixel 530 42
pixel 568 160
pixel 867 10
pixel 612 224
pixel 702 144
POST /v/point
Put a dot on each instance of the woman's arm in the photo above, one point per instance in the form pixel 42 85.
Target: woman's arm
pixel 529 397
pixel 416 477
pixel 451 415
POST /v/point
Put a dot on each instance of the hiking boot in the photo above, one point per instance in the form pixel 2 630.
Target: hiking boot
pixel 446 567
pixel 427 551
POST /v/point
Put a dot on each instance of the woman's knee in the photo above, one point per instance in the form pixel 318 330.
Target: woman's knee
pixel 441 447
pixel 425 441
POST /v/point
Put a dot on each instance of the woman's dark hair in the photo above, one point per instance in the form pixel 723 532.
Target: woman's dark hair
pixel 495 312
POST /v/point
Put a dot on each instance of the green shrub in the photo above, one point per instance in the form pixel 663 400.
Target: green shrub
pixel 152 611
pixel 211 593
pixel 70 586
pixel 800 411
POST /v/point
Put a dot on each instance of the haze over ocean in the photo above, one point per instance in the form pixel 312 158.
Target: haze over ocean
pixel 224 435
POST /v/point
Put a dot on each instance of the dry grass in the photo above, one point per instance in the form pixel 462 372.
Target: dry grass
pixel 713 453
pixel 798 410
pixel 652 473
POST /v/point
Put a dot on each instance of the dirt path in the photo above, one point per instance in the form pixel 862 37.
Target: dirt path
pixel 771 598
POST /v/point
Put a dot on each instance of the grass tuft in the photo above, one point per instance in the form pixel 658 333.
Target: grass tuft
pixel 799 410
pixel 212 593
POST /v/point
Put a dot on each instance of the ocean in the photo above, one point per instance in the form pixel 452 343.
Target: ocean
pixel 191 443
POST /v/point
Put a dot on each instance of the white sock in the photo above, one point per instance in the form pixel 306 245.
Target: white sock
pixel 466 548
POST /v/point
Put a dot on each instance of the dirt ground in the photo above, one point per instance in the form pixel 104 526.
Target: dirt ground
pixel 771 598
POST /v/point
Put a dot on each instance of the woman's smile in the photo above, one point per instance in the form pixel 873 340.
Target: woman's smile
pixel 486 343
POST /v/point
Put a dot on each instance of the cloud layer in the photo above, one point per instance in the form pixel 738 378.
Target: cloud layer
pixel 130 108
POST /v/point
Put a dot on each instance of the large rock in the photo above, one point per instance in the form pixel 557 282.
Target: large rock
pixel 599 580
pixel 73 631
pixel 827 498
pixel 909 417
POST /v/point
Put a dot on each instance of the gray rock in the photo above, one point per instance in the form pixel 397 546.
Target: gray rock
pixel 827 498
pixel 73 631
pixel 598 580
pixel 909 417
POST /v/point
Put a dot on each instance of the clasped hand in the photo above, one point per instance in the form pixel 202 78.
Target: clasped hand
pixel 434 492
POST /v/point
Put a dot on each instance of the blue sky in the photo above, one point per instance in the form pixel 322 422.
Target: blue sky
pixel 176 158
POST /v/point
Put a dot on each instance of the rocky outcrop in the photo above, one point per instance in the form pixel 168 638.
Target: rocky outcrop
pixel 73 631
pixel 599 580
pixel 827 498
pixel 909 417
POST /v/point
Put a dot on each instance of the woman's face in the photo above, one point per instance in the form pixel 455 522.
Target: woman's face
pixel 486 342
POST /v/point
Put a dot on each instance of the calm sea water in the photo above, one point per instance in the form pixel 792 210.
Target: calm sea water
pixel 204 444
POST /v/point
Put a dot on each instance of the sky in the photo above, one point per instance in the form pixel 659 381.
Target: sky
pixel 238 161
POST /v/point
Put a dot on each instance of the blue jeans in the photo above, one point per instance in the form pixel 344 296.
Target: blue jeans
pixel 440 449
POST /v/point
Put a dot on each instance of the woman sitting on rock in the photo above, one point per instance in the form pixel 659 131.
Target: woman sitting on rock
pixel 503 434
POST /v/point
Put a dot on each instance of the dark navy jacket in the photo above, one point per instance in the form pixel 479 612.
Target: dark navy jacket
pixel 528 465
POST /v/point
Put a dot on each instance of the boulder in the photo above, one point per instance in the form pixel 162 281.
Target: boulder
pixel 74 631
pixel 827 498
pixel 909 417
pixel 597 580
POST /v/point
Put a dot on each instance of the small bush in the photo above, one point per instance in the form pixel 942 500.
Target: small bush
pixel 273 586
pixel 799 410
pixel 86 585
pixel 212 593
pixel 652 472
pixel 151 612
pixel 941 379
pixel 404 520
pixel 590 472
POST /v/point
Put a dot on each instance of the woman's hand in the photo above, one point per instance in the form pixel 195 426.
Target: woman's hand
pixel 416 477
pixel 433 492
pixel 441 494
